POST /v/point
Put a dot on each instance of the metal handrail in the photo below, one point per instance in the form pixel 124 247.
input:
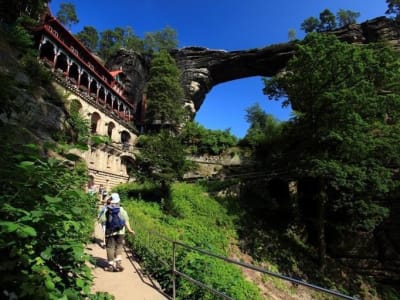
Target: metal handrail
pixel 232 261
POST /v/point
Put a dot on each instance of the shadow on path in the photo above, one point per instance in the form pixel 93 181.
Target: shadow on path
pixel 131 284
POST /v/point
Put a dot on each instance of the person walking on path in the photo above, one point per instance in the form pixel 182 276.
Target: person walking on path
pixel 102 211
pixel 115 214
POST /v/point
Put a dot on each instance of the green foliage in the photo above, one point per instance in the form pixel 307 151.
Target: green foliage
pixel 310 24
pixel 100 139
pixel 263 128
pixel 194 218
pixel 112 40
pixel 147 190
pixel 89 37
pixel 327 21
pixel 292 34
pixel 47 219
pixel 162 158
pixel 393 8
pixel 109 41
pixel 164 93
pixel 346 17
pixel 67 14
pixel 18 37
pixel 343 138
pixel 80 128
pixel 165 39
pixel 39 75
pixel 200 140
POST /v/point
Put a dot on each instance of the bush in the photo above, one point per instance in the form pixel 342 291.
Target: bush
pixel 193 218
pixel 47 219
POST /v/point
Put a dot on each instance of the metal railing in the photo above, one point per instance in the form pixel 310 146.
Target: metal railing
pixel 176 272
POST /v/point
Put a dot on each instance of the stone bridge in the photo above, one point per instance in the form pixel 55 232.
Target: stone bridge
pixel 204 68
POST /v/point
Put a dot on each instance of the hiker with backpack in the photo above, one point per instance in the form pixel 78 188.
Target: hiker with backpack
pixel 102 211
pixel 116 219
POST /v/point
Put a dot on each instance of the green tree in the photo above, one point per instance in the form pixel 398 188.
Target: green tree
pixel 200 140
pixel 346 17
pixel 292 35
pixel 327 20
pixel 393 8
pixel 109 43
pixel 67 14
pixel 343 137
pixel 161 159
pixel 113 40
pixel 164 93
pixel 89 37
pixel 310 24
pixel 132 41
pixel 165 39
pixel 262 127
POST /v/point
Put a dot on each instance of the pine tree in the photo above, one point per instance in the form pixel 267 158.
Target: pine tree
pixel 164 94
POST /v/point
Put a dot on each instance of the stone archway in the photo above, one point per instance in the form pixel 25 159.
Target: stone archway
pixel 110 129
pixel 204 68
pixel 94 120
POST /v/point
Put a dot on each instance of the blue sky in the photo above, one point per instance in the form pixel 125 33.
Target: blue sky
pixel 220 24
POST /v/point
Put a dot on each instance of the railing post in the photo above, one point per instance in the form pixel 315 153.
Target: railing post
pixel 173 270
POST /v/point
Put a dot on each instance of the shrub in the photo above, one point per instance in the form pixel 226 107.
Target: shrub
pixel 47 219
pixel 193 218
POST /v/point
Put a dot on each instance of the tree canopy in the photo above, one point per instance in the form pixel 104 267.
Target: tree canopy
pixel 164 93
pixel 328 21
pixel 67 14
pixel 344 133
pixel 162 158
pixel 200 140
pixel 393 8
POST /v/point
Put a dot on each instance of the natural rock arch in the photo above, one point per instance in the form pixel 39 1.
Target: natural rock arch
pixel 204 68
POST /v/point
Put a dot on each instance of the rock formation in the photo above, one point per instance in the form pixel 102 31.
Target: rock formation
pixel 203 68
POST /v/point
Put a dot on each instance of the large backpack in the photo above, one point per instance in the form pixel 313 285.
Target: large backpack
pixel 114 220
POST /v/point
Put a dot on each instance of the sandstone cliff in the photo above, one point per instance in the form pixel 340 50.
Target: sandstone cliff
pixel 204 68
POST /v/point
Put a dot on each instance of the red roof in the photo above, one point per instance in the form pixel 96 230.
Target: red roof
pixel 115 73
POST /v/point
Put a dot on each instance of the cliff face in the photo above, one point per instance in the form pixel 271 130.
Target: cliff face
pixel 31 111
pixel 203 68
pixel 135 75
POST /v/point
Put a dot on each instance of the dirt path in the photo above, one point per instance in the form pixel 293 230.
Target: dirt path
pixel 130 284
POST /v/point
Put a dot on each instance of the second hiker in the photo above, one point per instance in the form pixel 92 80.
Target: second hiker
pixel 116 220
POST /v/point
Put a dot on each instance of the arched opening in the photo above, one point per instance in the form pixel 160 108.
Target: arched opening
pixel 73 74
pixel 47 53
pixel 93 122
pixel 84 83
pixel 125 137
pixel 110 129
pixel 128 163
pixel 102 96
pixel 61 64
pixel 125 140
pixel 93 89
